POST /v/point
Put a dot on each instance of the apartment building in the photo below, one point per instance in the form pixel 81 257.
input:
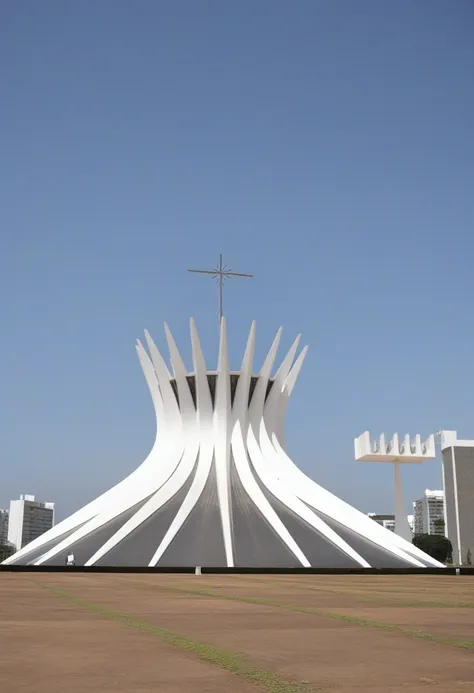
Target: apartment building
pixel 28 519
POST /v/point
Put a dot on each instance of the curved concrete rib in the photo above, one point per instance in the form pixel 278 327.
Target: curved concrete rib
pixel 181 473
pixel 285 396
pixel 171 408
pixel 241 397
pixel 317 497
pixel 158 362
pixel 107 499
pixel 255 494
pixel 186 403
pixel 168 450
pixel 261 451
pixel 152 382
pixel 258 397
pixel 222 442
pixel 239 448
pixel 265 462
pixel 281 376
pixel 206 447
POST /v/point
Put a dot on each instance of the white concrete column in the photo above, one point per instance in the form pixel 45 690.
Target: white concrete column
pixel 402 528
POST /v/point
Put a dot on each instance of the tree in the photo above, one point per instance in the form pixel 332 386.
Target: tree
pixel 435 545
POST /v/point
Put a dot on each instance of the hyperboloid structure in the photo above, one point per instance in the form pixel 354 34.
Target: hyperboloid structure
pixel 218 488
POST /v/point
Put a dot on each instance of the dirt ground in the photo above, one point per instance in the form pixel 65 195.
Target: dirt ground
pixel 85 632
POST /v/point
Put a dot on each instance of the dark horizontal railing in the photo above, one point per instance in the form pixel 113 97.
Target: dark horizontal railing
pixel 450 570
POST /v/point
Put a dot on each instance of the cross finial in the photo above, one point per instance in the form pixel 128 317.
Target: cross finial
pixel 220 273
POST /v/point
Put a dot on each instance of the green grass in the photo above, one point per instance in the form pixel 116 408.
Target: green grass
pixel 233 662
pixel 377 597
pixel 380 598
pixel 346 618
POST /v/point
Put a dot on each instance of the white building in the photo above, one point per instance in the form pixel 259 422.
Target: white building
pixel 387 521
pixel 428 513
pixel 3 527
pixel 418 517
pixel 458 483
pixel 28 520
pixel 411 520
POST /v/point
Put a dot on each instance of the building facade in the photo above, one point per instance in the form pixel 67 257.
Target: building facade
pixel 418 517
pixel 28 520
pixel 3 527
pixel 458 480
pixel 387 521
pixel 428 513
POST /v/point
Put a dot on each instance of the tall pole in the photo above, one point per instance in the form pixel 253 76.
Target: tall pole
pixel 221 284
pixel 220 273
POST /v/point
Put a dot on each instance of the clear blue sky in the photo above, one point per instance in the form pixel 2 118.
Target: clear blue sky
pixel 325 146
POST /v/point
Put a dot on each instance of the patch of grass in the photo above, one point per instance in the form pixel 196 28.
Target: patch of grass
pixel 233 662
pixel 430 604
pixel 386 601
pixel 400 598
pixel 367 623
pixel 363 597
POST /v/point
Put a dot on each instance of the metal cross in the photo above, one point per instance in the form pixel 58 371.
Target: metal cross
pixel 220 273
